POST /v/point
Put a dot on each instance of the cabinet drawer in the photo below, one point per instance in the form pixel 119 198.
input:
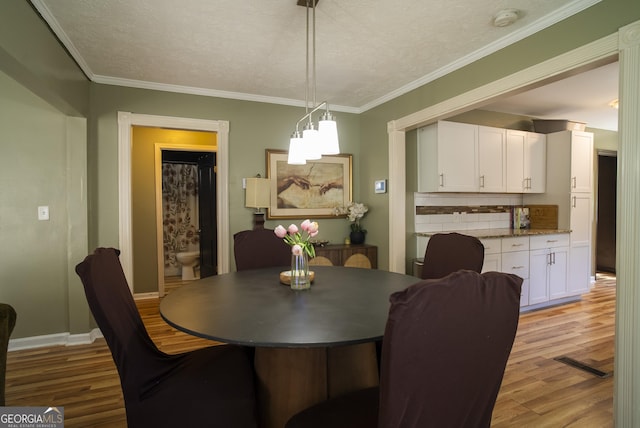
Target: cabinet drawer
pixel 549 241
pixel 517 263
pixel 515 244
pixel 492 245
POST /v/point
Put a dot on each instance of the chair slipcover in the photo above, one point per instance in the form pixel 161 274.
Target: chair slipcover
pixel 212 386
pixel 7 323
pixel 260 248
pixel 449 252
pixel 445 348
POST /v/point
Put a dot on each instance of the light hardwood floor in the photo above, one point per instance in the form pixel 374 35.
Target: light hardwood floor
pixel 537 391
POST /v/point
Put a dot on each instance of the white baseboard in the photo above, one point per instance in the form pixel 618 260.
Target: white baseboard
pixel 66 339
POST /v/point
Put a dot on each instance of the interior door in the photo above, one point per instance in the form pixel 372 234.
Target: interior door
pixel 207 211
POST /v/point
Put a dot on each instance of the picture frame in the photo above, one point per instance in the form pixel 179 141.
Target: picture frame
pixel 308 191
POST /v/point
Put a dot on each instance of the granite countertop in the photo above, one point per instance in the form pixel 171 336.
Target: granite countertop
pixel 500 233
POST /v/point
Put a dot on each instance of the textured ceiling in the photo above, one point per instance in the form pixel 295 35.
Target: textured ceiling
pixel 368 51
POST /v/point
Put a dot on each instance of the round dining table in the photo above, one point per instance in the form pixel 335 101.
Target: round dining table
pixel 309 344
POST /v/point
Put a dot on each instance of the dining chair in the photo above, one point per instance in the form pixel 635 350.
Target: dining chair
pixel 320 261
pixel 7 323
pixel 449 252
pixel 445 349
pixel 212 386
pixel 260 248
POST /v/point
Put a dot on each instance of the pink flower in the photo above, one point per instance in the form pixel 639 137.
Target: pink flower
pixel 312 228
pixel 280 231
pixel 296 250
pixel 293 229
pixel 305 225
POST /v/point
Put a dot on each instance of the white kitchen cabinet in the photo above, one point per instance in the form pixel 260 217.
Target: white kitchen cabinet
pixel 549 268
pixel 569 168
pixel 448 157
pixel 525 162
pixel 491 159
pixel 580 261
pixel 515 260
pixel 492 255
pixel 581 161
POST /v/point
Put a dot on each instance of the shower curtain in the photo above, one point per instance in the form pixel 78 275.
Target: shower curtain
pixel 180 213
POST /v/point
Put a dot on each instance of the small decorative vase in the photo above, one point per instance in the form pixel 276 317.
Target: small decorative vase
pixel 357 237
pixel 300 279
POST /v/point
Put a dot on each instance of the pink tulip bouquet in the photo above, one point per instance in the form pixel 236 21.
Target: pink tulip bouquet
pixel 294 237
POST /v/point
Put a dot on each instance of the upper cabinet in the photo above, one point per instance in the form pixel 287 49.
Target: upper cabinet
pixel 491 159
pixel 460 157
pixel 448 157
pixel 581 160
pixel 525 162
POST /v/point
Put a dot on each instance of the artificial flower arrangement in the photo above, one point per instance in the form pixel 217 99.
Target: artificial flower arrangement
pixel 354 211
pixel 294 237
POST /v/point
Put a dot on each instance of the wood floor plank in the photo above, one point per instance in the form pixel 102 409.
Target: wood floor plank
pixel 537 391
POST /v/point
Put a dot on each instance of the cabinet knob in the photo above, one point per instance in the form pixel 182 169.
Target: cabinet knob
pixel 442 180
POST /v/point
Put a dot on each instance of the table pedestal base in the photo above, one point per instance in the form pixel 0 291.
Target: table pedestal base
pixel 292 379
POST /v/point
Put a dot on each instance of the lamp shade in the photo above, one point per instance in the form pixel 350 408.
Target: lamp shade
pixel 328 131
pixel 258 193
pixel 297 155
pixel 311 138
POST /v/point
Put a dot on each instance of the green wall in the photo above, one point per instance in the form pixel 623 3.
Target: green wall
pixel 253 128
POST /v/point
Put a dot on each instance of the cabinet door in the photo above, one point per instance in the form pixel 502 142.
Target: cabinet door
pixel 581 161
pixel 535 163
pixel 491 158
pixel 538 262
pixel 579 270
pixel 558 272
pixel 492 263
pixel 457 157
pixel 515 160
pixel 580 219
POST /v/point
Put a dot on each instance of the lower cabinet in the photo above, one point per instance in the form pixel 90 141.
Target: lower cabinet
pixel 549 268
pixel 515 260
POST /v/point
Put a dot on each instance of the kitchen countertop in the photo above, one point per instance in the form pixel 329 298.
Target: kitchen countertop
pixel 500 233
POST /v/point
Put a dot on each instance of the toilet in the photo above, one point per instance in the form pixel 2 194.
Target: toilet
pixel 189 261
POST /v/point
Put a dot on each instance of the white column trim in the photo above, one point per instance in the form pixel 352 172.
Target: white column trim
pixel 627 351
pixel 125 121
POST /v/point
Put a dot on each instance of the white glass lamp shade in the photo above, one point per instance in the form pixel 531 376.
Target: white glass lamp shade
pixel 311 138
pixel 297 152
pixel 328 130
pixel 258 193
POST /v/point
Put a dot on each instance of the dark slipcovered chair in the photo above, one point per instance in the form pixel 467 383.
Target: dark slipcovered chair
pixel 445 349
pixel 449 252
pixel 7 323
pixel 260 248
pixel 212 387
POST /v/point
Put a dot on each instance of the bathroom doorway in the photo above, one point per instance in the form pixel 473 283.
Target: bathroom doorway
pixel 189 235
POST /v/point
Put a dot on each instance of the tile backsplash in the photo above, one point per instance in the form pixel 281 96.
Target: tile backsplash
pixel 463 211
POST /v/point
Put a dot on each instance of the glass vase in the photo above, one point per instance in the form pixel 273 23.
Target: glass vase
pixel 300 272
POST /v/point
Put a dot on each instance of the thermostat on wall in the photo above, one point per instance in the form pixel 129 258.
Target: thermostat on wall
pixel 380 186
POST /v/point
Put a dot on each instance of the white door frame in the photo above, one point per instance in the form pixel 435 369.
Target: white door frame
pixel 125 121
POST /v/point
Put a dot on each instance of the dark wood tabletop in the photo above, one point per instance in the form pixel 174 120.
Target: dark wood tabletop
pixel 343 306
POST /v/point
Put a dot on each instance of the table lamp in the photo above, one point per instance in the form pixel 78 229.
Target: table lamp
pixel 257 196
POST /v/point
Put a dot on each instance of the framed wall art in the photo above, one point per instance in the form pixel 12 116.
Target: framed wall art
pixel 308 191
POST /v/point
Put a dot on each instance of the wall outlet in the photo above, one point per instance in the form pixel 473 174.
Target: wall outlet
pixel 43 212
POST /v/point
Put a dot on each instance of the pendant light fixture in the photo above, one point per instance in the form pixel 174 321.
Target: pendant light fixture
pixel 314 141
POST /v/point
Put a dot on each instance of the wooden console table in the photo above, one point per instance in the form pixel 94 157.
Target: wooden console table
pixel 362 255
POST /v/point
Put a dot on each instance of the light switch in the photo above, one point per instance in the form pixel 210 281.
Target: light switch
pixel 43 212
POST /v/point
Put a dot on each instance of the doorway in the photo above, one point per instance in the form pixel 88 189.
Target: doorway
pixel 188 222
pixel 606 212
pixel 126 122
